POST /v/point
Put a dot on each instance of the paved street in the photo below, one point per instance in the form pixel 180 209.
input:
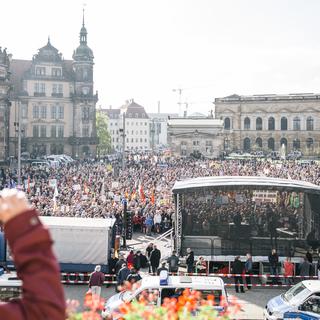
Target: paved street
pixel 252 302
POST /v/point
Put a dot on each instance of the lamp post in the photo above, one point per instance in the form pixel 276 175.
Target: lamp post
pixel 18 130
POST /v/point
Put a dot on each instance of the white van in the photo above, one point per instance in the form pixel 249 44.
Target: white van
pixel 173 288
pixel 296 298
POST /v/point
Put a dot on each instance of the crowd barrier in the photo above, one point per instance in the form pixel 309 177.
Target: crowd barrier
pixel 83 278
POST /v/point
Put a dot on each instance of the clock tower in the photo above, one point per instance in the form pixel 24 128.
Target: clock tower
pixel 84 139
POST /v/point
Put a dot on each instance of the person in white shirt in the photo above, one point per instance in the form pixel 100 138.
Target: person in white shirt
pixel 157 221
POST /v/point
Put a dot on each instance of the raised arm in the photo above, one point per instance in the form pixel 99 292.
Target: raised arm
pixel 31 245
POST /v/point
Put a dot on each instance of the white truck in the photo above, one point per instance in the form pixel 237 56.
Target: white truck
pixel 81 243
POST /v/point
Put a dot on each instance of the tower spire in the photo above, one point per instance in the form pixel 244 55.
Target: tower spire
pixel 83 31
pixel 83 17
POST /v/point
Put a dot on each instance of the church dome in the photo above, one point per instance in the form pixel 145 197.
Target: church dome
pixel 83 53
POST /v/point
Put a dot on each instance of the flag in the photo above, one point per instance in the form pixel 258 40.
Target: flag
pixel 28 188
pixel 152 197
pixel 141 192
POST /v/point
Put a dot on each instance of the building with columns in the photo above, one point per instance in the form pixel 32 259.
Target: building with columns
pixel 267 122
pixel 54 102
pixel 5 87
pixel 196 134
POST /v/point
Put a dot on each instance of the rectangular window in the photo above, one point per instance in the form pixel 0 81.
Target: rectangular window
pixel 36 87
pixel 196 143
pixel 56 72
pixel 54 88
pixel 61 112
pixel 40 71
pixel 53 131
pixel 35 130
pixel 43 112
pixel 85 131
pixel 35 112
pixel 43 131
pixel 42 87
pixel 24 111
pixel 53 112
pixel 60 131
pixel 60 88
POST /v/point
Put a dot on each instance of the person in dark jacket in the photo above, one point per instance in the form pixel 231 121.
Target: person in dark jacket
pixel 123 274
pixel 134 276
pixel 96 281
pixel 190 260
pixel 119 264
pixel 273 262
pixel 139 261
pixel 31 245
pixel 237 269
pixel 155 257
pixel 304 268
pixel 173 262
pixel 248 269
pixel 162 268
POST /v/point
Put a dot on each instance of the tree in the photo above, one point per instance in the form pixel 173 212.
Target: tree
pixel 104 145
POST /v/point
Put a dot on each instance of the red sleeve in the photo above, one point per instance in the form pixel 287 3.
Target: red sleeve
pixel 43 296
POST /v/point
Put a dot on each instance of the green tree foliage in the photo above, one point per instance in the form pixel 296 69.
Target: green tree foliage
pixel 104 145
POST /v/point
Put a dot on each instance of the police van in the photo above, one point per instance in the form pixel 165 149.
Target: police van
pixel 171 287
pixel 304 296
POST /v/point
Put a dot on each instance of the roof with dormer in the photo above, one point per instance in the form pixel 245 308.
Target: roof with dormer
pixel 48 53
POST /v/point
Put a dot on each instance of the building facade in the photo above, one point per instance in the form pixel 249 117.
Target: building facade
pixel 267 122
pixel 195 135
pixel 136 127
pixel 159 129
pixel 5 87
pixel 54 102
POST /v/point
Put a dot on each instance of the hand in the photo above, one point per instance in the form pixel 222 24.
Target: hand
pixel 12 203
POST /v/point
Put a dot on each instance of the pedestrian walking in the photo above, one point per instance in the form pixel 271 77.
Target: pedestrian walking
pixel 288 267
pixel 96 281
pixel 273 263
pixel 248 269
pixel 155 257
pixel 237 270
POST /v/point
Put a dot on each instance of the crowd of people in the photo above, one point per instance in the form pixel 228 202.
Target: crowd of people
pixel 96 189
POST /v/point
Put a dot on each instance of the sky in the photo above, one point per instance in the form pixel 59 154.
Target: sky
pixel 145 49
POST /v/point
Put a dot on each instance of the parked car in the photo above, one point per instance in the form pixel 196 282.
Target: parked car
pixel 294 155
pixel 172 287
pixel 301 315
pixel 274 155
pixel 301 297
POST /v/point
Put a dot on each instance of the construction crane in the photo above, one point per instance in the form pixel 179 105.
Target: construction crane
pixel 180 103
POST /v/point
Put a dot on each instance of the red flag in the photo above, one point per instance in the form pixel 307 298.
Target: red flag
pixel 152 197
pixel 28 184
pixel 142 196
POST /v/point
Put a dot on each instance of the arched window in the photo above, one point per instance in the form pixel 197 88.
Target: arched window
pixel 259 124
pixel 309 124
pixel 246 123
pixel 271 125
pixel 246 144
pixel 309 143
pixel 227 123
pixel 284 124
pixel 296 144
pixel 259 142
pixel 271 144
pixel 283 141
pixel 296 124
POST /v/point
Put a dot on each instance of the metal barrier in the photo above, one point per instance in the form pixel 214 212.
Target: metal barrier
pixel 83 278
